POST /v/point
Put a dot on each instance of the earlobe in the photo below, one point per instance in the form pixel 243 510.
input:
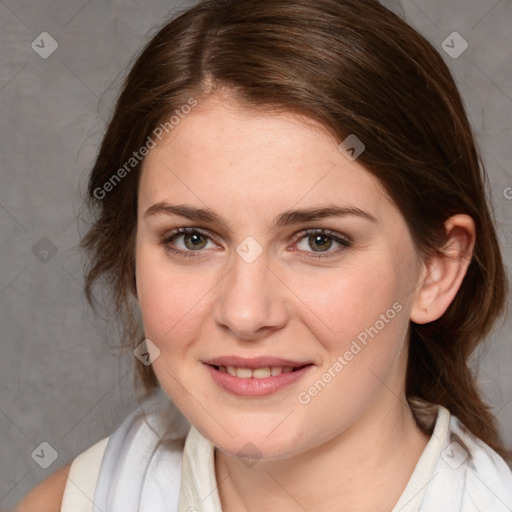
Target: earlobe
pixel 442 274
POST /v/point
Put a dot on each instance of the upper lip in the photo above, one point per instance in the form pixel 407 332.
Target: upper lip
pixel 255 362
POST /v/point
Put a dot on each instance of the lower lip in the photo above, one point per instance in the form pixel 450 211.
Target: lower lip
pixel 253 386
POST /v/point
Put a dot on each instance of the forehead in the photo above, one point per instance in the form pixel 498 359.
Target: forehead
pixel 221 154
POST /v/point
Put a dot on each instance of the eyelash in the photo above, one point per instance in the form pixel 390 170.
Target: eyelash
pixel 343 240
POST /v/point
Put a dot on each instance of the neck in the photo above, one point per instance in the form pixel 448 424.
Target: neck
pixel 385 441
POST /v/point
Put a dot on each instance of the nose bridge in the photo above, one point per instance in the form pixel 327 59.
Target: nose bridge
pixel 250 300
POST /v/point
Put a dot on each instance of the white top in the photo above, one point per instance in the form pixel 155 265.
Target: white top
pixel 156 462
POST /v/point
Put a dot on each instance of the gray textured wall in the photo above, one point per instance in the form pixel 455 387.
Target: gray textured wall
pixel 61 378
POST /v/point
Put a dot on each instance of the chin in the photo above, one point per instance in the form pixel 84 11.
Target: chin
pixel 255 444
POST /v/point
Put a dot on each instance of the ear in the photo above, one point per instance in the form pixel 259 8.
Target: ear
pixel 443 273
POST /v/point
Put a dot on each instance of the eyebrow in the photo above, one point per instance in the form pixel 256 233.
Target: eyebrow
pixel 288 217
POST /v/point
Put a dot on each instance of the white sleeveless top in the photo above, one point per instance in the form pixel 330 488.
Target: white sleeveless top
pixel 156 462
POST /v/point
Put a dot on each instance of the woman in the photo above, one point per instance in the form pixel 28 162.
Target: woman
pixel 291 216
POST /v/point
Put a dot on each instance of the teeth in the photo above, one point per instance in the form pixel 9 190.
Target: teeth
pixel 244 373
pixel 257 373
pixel 260 373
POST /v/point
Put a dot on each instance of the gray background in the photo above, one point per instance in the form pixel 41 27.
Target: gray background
pixel 62 379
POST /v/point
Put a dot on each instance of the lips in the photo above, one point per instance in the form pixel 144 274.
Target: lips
pixel 255 377
pixel 255 362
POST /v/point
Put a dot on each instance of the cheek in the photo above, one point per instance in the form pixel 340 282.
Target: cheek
pixel 170 297
pixel 360 317
pixel 344 302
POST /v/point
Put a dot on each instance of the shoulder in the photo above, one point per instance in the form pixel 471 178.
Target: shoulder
pixel 484 457
pixel 486 470
pixel 469 475
pixel 53 493
pixel 151 424
pixel 47 496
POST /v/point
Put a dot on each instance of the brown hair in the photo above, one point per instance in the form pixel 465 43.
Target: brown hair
pixel 356 68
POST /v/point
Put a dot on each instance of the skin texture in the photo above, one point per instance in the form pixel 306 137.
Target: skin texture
pixel 357 433
pixel 248 167
pixel 47 496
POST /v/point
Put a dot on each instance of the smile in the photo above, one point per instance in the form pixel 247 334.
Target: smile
pixel 256 373
pixel 255 382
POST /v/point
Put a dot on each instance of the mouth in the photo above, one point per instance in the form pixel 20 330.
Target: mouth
pixel 256 377
pixel 257 373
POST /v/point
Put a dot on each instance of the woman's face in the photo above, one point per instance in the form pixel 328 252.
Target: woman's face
pixel 251 284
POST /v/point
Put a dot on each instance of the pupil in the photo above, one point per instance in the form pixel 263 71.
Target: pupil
pixel 195 238
pixel 319 238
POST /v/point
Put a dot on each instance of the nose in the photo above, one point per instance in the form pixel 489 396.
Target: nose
pixel 252 299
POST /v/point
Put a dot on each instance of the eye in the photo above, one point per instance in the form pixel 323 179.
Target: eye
pixel 323 240
pixel 194 240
